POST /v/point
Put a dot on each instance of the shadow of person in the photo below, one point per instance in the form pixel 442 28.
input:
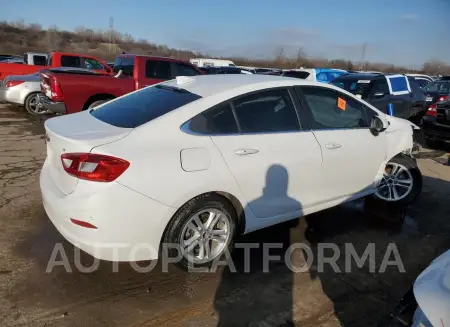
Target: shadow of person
pixel 256 287
pixel 357 292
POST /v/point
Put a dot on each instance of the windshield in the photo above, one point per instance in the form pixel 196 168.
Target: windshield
pixel 143 106
pixel 438 87
pixel 125 64
pixel 355 86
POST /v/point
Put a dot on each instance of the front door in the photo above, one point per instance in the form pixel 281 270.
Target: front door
pixel 352 155
pixel 276 164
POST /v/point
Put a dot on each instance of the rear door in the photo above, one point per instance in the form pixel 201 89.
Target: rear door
pixel 401 95
pixel 276 163
pixel 352 155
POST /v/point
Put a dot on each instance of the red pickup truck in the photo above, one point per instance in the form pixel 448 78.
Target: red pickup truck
pixel 56 59
pixel 68 92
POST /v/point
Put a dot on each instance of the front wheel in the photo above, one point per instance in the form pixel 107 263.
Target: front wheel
pixel 401 182
pixel 202 230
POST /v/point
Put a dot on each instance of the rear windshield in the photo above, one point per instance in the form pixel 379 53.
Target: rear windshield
pixel 125 64
pixel 355 86
pixel 141 107
pixel 438 87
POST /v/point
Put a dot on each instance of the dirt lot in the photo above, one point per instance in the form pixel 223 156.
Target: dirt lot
pixel 32 297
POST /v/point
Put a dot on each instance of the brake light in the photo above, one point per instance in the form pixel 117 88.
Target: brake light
pixel 93 167
pixel 432 110
pixel 13 83
pixel 56 90
pixel 442 98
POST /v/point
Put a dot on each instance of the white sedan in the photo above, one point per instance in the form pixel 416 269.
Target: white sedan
pixel 195 160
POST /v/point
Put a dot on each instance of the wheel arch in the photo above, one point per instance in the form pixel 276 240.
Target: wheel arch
pixel 98 97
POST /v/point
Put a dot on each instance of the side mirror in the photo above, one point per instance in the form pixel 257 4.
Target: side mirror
pixel 378 125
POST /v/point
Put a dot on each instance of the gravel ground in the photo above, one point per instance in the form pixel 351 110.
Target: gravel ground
pixel 30 296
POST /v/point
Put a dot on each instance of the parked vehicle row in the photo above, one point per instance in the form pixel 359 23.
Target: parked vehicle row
pixel 66 92
pixel 54 60
pixel 241 152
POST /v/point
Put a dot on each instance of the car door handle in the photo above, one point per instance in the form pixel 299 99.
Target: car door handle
pixel 333 146
pixel 244 152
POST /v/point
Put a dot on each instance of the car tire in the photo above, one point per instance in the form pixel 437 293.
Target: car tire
pixel 31 107
pixel 403 186
pixel 178 228
pixel 97 103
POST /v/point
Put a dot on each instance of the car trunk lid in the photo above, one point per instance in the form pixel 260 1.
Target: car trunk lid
pixel 79 132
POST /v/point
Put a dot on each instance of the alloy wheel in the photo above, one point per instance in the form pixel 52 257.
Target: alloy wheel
pixel 205 236
pixel 396 183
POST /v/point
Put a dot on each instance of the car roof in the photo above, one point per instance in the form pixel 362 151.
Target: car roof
pixel 208 85
pixel 353 76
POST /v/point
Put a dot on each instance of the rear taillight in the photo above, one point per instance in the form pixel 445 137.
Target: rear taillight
pixel 13 83
pixel 432 110
pixel 56 90
pixel 443 98
pixel 93 167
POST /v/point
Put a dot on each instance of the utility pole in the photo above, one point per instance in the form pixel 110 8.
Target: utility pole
pixel 363 56
pixel 111 33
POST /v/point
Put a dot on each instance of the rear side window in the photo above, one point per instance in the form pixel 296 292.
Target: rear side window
pixel 143 106
pixel 422 82
pixel 70 61
pixel 266 112
pixel 218 120
pixel 380 87
pixel 185 70
pixel 40 60
pixel 157 69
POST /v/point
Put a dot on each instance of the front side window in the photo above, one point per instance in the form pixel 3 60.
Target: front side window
pixel 218 120
pixel 70 61
pixel 93 64
pixel 333 110
pixel 380 87
pixel 143 106
pixel 158 69
pixel 266 112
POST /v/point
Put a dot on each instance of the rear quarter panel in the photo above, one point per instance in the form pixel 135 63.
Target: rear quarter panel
pixel 155 151
pixel 78 89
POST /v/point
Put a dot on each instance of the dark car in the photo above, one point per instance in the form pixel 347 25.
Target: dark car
pixel 436 123
pixel 380 90
pixel 435 92
pixel 221 70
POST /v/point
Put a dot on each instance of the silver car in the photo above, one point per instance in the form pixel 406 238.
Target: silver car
pixel 22 90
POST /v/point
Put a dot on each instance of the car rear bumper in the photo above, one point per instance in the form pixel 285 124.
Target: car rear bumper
pixel 433 130
pixel 129 225
pixel 51 106
pixel 10 95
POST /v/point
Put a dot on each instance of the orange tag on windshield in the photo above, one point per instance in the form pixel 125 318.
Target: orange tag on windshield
pixel 342 104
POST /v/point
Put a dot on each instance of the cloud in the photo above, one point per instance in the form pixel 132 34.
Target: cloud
pixel 409 17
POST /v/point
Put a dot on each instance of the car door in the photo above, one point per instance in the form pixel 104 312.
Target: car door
pixel 401 95
pixel 379 95
pixel 352 155
pixel 273 160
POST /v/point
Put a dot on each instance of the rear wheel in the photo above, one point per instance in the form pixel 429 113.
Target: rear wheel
pixel 202 230
pixel 402 181
pixel 31 105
